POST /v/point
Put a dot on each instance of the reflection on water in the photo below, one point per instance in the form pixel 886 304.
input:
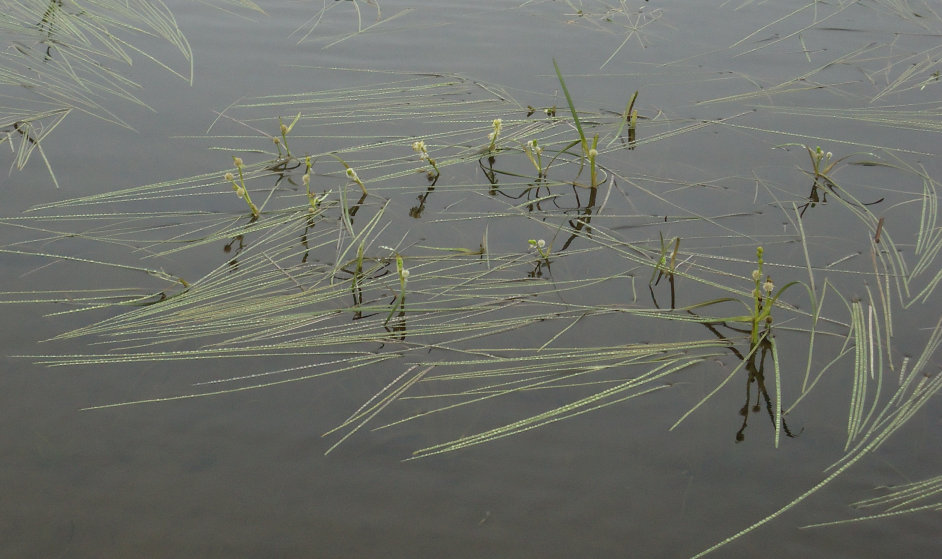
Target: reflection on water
pixel 307 314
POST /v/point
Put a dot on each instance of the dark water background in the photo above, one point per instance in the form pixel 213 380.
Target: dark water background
pixel 245 475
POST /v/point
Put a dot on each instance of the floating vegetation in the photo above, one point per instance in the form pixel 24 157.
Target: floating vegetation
pixel 480 266
pixel 58 57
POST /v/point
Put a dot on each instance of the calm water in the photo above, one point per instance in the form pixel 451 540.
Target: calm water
pixel 244 475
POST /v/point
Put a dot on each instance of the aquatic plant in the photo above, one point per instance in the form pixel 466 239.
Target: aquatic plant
pixel 60 58
pixel 399 303
pixel 310 291
pixel 667 260
pixel 285 129
pixel 763 300
pixel 496 125
pixel 239 187
pixel 535 154
pixel 541 248
pixel 590 152
pixel 420 148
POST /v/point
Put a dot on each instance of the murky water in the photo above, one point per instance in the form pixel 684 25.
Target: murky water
pixel 245 475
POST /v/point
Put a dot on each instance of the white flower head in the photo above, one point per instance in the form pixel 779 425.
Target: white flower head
pixel 405 274
pixel 353 175
pixel 756 275
pixel 306 179
pixel 419 146
pixel 768 286
pixel 229 177
pixel 237 161
pixel 541 244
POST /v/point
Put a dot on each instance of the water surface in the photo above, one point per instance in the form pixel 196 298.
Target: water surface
pixel 244 474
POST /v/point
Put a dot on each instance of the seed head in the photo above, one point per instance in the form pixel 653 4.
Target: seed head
pixel 284 129
pixel 768 286
pixel 593 153
pixel 238 162
pixel 229 177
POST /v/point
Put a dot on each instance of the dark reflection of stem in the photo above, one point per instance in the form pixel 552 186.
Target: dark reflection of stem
pixel 673 293
pixel 284 164
pixel 814 198
pixel 234 261
pixel 489 173
pixel 537 271
pixel 416 211
pixel 583 221
pixel 356 288
pixel 666 270
pixel 756 376
pixel 533 191
pixel 23 129
pixel 355 208
pixel 397 325
pixel 670 280
pixel 819 191
pixel 358 276
pixel 47 24
pixel 307 227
